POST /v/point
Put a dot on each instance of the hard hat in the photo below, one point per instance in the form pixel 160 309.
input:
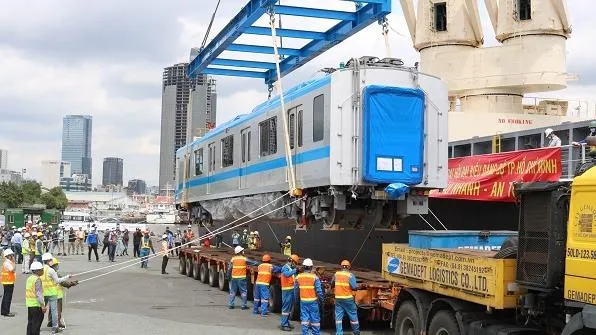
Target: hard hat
pixel 256 232
pixel 36 266
pixel 27 235
pixel 55 261
pixel 266 258
pixel 238 249
pixel 345 262
pixel 46 257
pixel 288 237
pixel 8 252
pixel 307 262
pixel 245 230
pixel 164 236
pixel 20 229
pixel 14 227
pixel 189 226
pixel 252 233
pixel 295 258
pixel 548 131
pixel 39 233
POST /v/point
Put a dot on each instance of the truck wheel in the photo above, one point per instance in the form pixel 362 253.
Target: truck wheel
pixel 407 321
pixel 204 273
pixel 250 288
pixel 444 323
pixel 196 272
pixel 213 276
pixel 188 267
pixel 275 298
pixel 295 312
pixel 222 281
pixel 182 266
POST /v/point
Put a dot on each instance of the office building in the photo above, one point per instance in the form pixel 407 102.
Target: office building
pixel 52 171
pixel 136 186
pixel 3 159
pixel 76 183
pixel 112 171
pixel 188 110
pixel 9 176
pixel 76 143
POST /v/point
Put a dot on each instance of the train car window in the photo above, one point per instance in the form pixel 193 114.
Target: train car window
pixel 243 147
pixel 292 128
pixel 199 162
pixel 268 132
pixel 227 151
pixel 318 118
pixel 248 146
pixel 299 128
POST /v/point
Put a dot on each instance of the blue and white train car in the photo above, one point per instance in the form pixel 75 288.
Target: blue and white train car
pixel 351 133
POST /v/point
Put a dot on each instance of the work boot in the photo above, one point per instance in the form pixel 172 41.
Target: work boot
pixel 9 315
pixel 231 307
pixel 285 328
pixel 244 308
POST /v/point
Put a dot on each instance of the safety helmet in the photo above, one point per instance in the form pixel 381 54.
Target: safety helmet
pixel 55 261
pixel 238 249
pixel 266 258
pixel 307 262
pixel 245 230
pixel 346 263
pixel 164 236
pixel 27 235
pixel 36 266
pixel 252 233
pixel 46 257
pixel 7 252
pixel 288 237
pixel 256 232
pixel 20 229
pixel 189 226
pixel 39 234
pixel 295 258
pixel 548 131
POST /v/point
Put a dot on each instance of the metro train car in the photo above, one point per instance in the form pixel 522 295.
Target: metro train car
pixel 352 133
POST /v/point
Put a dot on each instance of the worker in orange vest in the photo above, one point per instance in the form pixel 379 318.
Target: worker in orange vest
pixel 237 274
pixel 8 278
pixel 288 272
pixel 261 294
pixel 308 287
pixel 345 285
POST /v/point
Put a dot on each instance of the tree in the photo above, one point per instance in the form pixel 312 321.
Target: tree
pixel 32 192
pixel 11 194
pixel 55 198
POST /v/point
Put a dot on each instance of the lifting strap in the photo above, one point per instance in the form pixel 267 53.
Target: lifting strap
pixel 385 26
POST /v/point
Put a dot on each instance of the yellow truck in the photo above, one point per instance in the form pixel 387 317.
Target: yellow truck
pixel 543 281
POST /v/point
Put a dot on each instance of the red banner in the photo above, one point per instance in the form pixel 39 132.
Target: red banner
pixel 491 177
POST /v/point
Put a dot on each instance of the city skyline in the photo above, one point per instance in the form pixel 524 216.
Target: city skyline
pixel 77 133
pixel 113 168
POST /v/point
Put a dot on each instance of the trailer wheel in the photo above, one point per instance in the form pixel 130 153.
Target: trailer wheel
pixel 444 323
pixel 275 298
pixel 213 276
pixel 182 266
pixel 196 272
pixel 407 321
pixel 295 312
pixel 188 267
pixel 250 287
pixel 204 273
pixel 222 281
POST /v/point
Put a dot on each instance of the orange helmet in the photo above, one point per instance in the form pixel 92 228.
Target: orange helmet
pixel 266 258
pixel 345 263
pixel 295 258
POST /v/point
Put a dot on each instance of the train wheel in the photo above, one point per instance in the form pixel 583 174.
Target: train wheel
pixel 204 273
pixel 444 323
pixel 222 281
pixel 275 298
pixel 182 266
pixel 213 276
pixel 407 321
pixel 188 267
pixel 196 272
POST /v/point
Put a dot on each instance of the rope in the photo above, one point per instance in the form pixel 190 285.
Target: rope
pixel 209 26
pixel 372 226
pixel 436 218
pixel 213 234
pixel 428 223
pixel 385 25
pixel 292 179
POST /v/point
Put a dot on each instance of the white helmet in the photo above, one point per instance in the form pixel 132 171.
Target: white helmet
pixel 189 226
pixel 238 249
pixel 36 266
pixel 548 131
pixel 307 262
pixel 47 257
pixel 245 230
pixel 164 236
pixel 256 232
pixel 27 235
pixel 288 237
pixel 8 252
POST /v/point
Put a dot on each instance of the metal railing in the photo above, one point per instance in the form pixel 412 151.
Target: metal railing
pixel 571 157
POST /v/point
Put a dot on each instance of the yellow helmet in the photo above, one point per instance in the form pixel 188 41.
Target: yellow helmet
pixel 55 261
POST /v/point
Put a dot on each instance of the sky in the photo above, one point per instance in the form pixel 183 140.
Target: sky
pixel 106 58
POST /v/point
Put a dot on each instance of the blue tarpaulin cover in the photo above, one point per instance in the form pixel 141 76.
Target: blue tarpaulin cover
pixel 393 143
pixel 396 190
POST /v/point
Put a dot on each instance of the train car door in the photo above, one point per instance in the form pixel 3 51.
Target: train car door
pixel 295 134
pixel 245 143
pixel 211 168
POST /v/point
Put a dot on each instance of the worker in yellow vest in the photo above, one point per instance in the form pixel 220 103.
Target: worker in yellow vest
pixel 60 290
pixel 308 288
pixel 50 282
pixel 8 277
pixel 34 300
pixel 26 250
pixel 286 247
pixel 39 247
pixel 345 285
pixel 261 294
pixel 237 275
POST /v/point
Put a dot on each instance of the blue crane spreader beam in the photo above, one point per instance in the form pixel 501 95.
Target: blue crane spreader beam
pixel 347 24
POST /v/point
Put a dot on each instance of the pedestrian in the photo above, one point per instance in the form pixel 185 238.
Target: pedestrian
pixel 50 282
pixel 39 247
pixel 288 272
pixel 146 245
pixel 286 247
pixel 164 251
pixel 80 237
pixel 26 253
pixel 112 245
pixel 345 285
pixel 17 241
pixel 551 139
pixel 8 277
pixel 235 239
pixel 251 241
pixel 91 242
pixel 177 241
pixel 34 300
pixel 106 241
pixel 125 239
pixel 62 237
pixel 55 245
pixel 307 287
pixel 136 242
pixel 218 240
pixel 60 290
pixel 120 243
pixel 71 241
pixel 237 273
pixel 258 242
pixel 244 239
pixel 190 236
pixel 261 293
